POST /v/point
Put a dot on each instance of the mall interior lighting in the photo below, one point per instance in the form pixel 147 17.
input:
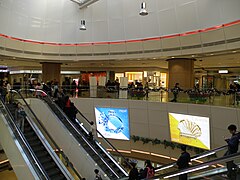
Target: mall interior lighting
pixel 83 25
pixel 143 11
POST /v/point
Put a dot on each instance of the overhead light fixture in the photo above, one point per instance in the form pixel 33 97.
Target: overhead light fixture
pixel 83 25
pixel 223 71
pixel 143 11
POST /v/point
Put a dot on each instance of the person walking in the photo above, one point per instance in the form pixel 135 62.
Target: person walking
pixel 183 162
pixel 233 143
pixel 148 171
pixel 176 91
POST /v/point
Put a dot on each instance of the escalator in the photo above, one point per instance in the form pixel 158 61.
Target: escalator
pixel 46 157
pixel 209 165
pixel 101 157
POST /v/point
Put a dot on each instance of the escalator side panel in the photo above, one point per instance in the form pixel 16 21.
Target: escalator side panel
pixel 75 152
pixel 22 167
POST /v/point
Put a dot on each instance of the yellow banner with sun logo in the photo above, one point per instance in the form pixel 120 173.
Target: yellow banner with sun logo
pixel 190 130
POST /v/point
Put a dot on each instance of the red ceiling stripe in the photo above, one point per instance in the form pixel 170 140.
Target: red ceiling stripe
pixel 122 42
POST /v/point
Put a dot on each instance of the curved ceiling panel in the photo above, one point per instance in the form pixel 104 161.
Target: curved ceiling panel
pixel 111 20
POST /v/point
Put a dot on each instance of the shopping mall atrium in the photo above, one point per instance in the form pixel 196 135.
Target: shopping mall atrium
pixel 109 84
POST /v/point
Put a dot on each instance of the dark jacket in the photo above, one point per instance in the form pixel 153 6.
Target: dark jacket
pixel 233 143
pixel 183 160
pixel 133 175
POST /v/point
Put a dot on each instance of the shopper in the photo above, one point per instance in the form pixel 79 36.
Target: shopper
pixel 97 175
pixel 175 91
pixel 133 174
pixel 92 131
pixel 148 171
pixel 233 143
pixel 20 116
pixel 183 161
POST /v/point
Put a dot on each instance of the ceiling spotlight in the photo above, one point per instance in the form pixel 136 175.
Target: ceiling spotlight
pixel 83 25
pixel 143 11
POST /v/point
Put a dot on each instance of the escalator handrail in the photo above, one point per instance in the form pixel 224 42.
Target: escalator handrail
pixel 199 156
pixel 201 166
pixel 45 131
pixel 105 139
pixel 64 115
pixel 24 141
pixel 110 144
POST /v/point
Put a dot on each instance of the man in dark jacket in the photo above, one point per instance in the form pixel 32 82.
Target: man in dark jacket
pixel 233 143
pixel 183 162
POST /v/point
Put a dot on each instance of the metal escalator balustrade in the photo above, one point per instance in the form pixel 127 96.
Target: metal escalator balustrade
pixel 46 160
pixel 41 147
pixel 107 163
pixel 204 169
pixel 20 138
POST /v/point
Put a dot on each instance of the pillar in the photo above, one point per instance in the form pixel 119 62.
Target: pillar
pixel 181 70
pixel 51 72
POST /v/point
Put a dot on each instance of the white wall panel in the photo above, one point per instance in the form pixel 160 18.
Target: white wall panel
pixel 4 19
pixel 232 31
pixel 230 10
pixel 212 36
pixel 113 12
pixel 132 28
pixel 35 28
pixel 151 45
pixel 84 49
pixel 101 48
pixel 167 21
pixel 18 26
pixel 187 16
pixel 222 117
pixel 2 41
pixel 134 46
pixel 37 8
pixel 117 47
pixel 13 44
pixel 32 47
pixel 50 49
pixel 69 32
pixel 149 25
pixel 68 49
pixel 138 115
pixel 51 31
pixel 207 7
pixel 100 29
pixel 170 42
pixel 116 29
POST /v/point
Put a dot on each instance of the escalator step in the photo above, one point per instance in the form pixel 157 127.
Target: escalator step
pixel 41 153
pixel 58 177
pixel 33 138
pixel 45 159
pixel 53 172
pixel 37 149
pixel 48 166
pixel 29 134
pixel 34 143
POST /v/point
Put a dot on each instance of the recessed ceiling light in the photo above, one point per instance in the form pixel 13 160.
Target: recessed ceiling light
pixel 211 54
pixel 193 55
pixel 154 58
pixel 173 57
pixel 234 51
